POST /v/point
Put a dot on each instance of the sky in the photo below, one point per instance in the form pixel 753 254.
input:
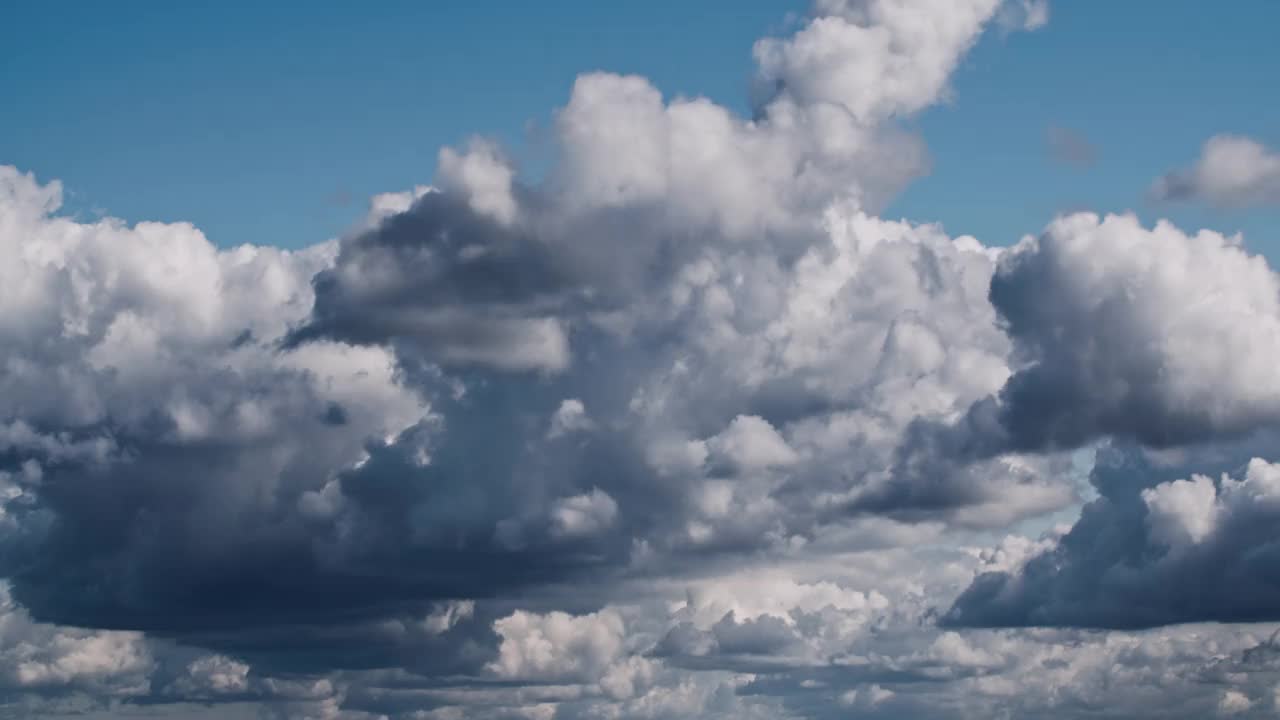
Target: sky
pixel 898 359
pixel 266 125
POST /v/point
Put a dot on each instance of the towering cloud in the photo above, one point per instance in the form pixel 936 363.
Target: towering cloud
pixel 681 429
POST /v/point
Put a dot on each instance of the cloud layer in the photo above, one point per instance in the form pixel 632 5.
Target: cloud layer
pixel 682 429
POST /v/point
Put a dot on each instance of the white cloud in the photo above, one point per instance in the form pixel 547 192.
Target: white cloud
pixel 213 675
pixel 585 514
pixel 694 345
pixel 875 58
pixel 571 417
pixel 1232 171
pixel 750 443
pixel 1149 333
pixel 1234 702
pixel 1182 511
pixel 482 176
pixel 558 646
pixel 40 657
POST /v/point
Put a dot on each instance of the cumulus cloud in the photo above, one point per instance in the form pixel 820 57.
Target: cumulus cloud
pixel 162 433
pixel 1163 551
pixel 450 281
pixel 584 514
pixel 875 59
pixel 1145 335
pixel 1142 334
pixel 571 417
pixel 1234 702
pixel 1232 172
pixel 679 429
pixel 1150 334
pixel 37 658
pixel 557 645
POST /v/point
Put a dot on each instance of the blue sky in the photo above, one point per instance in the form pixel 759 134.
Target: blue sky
pixel 262 123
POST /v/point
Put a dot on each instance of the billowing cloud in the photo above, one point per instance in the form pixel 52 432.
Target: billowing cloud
pixel 690 340
pixel 1142 334
pixel 1185 549
pixel 1149 334
pixel 678 429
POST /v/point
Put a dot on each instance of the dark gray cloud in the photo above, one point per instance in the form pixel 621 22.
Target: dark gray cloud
pixel 456 285
pixel 1160 546
pixel 385 538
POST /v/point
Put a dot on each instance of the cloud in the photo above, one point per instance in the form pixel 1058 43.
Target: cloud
pixel 41 659
pixel 750 443
pixel 1145 335
pixel 679 429
pixel 571 417
pixel 358 426
pixel 1232 172
pixel 1070 147
pixel 558 646
pixel 1147 553
pixel 1023 15
pixel 875 59
pixel 1149 334
pixel 584 514
pixel 1233 703
pixel 167 434
pixel 450 281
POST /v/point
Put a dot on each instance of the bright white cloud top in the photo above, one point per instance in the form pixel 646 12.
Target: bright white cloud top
pixel 682 430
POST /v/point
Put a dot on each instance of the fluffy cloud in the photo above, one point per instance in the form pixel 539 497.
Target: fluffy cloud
pixel 1232 172
pixel 681 429
pixel 1163 551
pixel 1149 334
pixel 557 645
pixel 161 433
pixel 874 58
pixel 36 658
pixel 449 280
pixel 1142 334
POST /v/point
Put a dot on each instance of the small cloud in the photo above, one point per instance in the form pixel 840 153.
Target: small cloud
pixel 571 417
pixel 1025 15
pixel 1234 702
pixel 340 198
pixel 1070 147
pixel 1231 172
